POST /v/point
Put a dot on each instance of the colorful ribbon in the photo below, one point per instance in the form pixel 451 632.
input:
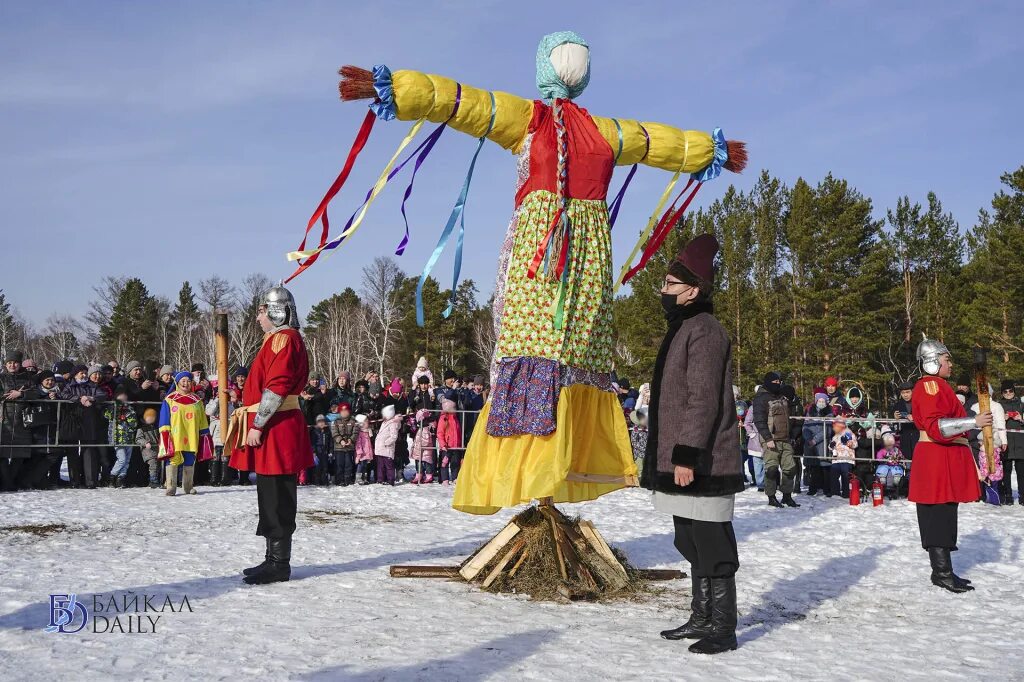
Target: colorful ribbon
pixel 613 208
pixel 378 186
pixel 646 234
pixel 426 147
pixel 668 221
pixel 321 211
pixel 457 214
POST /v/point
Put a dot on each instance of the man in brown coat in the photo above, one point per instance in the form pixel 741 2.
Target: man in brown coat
pixel 693 463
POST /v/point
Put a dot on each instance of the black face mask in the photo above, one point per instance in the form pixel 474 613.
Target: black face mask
pixel 669 302
pixel 773 388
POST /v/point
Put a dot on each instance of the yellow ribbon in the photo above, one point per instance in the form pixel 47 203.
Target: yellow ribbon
pixel 381 181
pixel 654 216
pixel 646 234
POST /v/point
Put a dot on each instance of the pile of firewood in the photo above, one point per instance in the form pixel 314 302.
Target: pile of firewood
pixel 548 556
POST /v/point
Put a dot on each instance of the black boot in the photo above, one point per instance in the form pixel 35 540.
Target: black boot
pixel 699 625
pixel 278 568
pixel 259 567
pixel 723 619
pixel 215 472
pixel 942 571
pixel 774 501
pixel 787 499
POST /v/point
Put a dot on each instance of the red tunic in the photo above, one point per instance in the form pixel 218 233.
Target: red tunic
pixel 591 160
pixel 282 366
pixel 942 471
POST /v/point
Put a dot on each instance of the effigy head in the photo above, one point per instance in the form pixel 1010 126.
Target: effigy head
pixel 563 65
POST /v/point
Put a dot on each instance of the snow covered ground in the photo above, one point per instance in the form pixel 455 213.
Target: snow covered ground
pixel 826 592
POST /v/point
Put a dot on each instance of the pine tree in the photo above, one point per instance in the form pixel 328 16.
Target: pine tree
pixel 768 206
pixel 907 243
pixel 130 333
pixel 187 320
pixel 992 314
pixel 801 245
pixel 730 219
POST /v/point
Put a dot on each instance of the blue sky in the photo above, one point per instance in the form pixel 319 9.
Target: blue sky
pixel 173 141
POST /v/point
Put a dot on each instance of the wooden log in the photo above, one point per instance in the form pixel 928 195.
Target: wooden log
pixel 660 574
pixel 558 549
pixel 602 548
pixel 223 380
pixel 424 571
pixel 517 547
pixel 522 558
pixel 477 562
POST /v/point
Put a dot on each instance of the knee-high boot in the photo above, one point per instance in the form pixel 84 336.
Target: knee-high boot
pixel 172 479
pixel 723 618
pixel 187 477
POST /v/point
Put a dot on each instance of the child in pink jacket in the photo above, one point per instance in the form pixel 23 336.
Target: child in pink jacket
pixel 384 446
pixel 423 447
pixel 449 442
pixel 364 449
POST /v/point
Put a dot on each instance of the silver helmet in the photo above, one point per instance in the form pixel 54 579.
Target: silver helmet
pixel 929 351
pixel 281 307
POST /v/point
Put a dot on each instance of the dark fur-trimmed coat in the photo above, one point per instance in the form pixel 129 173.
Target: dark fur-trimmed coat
pixel 693 411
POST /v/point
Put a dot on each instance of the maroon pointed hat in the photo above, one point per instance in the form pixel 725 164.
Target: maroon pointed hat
pixel 696 261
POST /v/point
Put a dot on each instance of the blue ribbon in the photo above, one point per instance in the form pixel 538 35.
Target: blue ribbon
pixel 457 214
pixel 714 169
pixel 385 108
pixel 427 145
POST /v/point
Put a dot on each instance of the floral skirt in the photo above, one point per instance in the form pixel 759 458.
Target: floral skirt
pixel 554 425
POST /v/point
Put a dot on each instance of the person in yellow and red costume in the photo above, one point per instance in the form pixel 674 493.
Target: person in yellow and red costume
pixel 944 473
pixel 184 434
pixel 268 433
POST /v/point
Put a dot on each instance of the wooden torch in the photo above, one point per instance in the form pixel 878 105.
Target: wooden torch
pixel 223 380
pixel 984 401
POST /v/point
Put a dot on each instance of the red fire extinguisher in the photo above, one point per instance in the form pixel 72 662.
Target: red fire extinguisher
pixel 854 491
pixel 877 498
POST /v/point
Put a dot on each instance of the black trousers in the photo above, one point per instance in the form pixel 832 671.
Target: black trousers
pixel 938 525
pixel 1007 483
pixel 709 546
pixel 277 498
pixel 84 464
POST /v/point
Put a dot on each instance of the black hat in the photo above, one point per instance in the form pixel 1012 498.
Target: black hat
pixel 45 374
pixel 1008 385
pixel 15 356
pixel 964 380
pixel 450 374
pixel 63 367
pixel 198 367
pixel 772 377
pixel 907 386
pixel 240 371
